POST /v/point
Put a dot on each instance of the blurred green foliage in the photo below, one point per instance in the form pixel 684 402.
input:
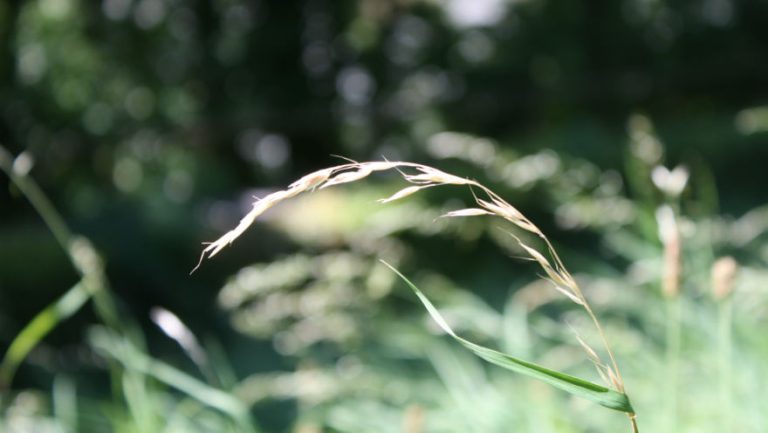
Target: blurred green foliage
pixel 151 124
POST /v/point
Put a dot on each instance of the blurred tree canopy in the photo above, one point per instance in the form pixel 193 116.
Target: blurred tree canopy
pixel 252 91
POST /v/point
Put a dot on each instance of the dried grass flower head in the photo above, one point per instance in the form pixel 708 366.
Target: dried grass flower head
pixel 724 272
pixel 421 177
pixel 487 203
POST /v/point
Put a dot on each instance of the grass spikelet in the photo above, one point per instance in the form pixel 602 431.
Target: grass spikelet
pixel 429 175
pixel 347 177
pixel 465 213
pixel 509 213
pixel 569 294
pixel 312 180
pixel 405 192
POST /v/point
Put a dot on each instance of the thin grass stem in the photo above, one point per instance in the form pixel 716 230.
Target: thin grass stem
pixel 83 258
pixel 725 346
pixel 673 353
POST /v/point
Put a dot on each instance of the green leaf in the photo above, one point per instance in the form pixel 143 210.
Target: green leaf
pixel 29 337
pixel 579 387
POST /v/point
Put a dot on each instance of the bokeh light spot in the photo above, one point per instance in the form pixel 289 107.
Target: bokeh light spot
pixel 127 175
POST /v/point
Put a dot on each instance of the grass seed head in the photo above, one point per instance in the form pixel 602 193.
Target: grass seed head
pixel 427 177
pixel 669 234
pixel 724 272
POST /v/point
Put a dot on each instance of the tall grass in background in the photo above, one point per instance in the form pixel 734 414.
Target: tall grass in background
pixel 682 300
pixel 674 335
pixel 138 404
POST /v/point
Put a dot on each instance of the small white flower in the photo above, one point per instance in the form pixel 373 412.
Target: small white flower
pixel 671 183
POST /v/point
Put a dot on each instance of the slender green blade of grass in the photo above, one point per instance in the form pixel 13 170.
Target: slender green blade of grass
pixel 112 346
pixel 140 402
pixel 66 240
pixel 579 387
pixel 60 310
pixel 65 403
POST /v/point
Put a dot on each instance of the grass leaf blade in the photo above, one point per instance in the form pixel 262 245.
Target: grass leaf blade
pixel 112 346
pixel 579 387
pixel 47 319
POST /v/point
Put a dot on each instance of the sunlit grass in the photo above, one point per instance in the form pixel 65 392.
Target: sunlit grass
pixel 362 363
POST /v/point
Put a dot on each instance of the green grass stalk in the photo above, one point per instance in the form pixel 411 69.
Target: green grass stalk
pixel 725 351
pixel 84 259
pixel 673 354
pixel 724 271
pixel 43 323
